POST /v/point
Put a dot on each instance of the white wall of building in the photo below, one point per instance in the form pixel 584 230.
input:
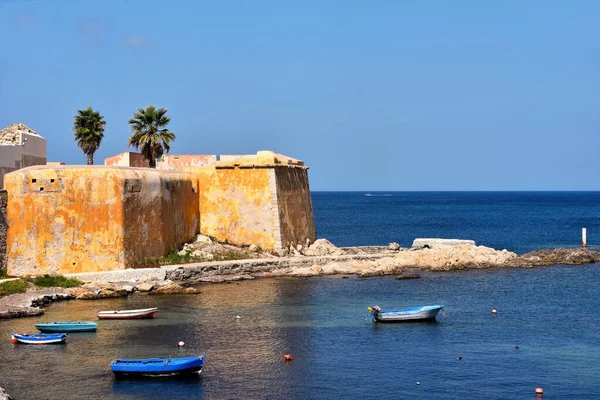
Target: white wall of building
pixel 12 156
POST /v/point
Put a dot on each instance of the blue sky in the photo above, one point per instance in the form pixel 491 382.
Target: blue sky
pixel 372 95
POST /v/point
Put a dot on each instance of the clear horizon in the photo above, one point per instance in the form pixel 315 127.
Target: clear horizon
pixel 394 96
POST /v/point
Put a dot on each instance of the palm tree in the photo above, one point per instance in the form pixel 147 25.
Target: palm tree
pixel 149 133
pixel 89 131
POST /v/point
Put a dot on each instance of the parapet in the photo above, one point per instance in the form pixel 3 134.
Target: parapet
pixel 262 159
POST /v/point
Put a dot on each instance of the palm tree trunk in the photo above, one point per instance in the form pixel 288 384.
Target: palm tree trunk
pixel 152 163
pixel 90 159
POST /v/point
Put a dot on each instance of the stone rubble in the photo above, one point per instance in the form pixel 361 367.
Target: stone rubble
pixel 323 247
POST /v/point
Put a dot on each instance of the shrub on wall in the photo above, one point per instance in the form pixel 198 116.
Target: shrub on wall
pixel 12 287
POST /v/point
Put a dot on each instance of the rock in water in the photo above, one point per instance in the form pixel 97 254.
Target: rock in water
pixel 174 288
pixel 145 287
pixel 408 276
pixel 394 246
pixel 323 247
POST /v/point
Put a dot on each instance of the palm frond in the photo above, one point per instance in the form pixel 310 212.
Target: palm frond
pixel 147 134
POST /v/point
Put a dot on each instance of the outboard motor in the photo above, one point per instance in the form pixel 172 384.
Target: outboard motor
pixel 374 312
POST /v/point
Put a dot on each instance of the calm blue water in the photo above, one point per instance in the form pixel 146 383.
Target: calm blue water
pixel 551 313
pixel 516 221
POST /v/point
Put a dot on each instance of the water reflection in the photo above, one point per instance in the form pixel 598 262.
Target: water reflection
pixel 337 353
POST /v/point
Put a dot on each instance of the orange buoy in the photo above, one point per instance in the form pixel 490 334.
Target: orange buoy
pixel 267 275
pixel 539 391
pixel 287 357
pixel 493 311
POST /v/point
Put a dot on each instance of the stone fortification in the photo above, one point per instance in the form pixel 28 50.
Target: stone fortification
pixel 262 200
pixel 81 219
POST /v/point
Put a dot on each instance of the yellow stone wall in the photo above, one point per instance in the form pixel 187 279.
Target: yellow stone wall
pixel 262 200
pixel 67 219
pixel 238 205
pixel 85 219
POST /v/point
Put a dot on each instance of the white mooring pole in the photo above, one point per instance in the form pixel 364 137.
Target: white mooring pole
pixel 583 237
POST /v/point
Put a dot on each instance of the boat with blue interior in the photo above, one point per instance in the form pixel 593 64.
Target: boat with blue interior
pixel 419 313
pixel 124 368
pixel 38 338
pixel 67 326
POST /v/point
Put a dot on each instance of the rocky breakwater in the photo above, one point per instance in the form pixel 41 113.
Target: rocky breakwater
pixel 323 258
pixel 30 304
pixel 94 291
pixel 298 261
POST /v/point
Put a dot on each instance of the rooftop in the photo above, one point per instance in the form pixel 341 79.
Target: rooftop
pixel 11 135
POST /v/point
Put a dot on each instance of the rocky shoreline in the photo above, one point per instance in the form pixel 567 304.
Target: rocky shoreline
pixel 321 258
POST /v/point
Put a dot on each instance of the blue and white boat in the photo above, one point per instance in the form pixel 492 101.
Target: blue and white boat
pixel 38 338
pixel 420 313
pixel 67 326
pixel 156 367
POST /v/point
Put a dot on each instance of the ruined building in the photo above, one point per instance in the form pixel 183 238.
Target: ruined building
pixel 65 219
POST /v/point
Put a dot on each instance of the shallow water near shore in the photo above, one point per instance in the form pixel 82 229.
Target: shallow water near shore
pixel 549 312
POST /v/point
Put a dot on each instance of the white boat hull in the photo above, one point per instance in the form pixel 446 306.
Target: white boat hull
pixel 410 314
pixel 128 314
pixel 27 341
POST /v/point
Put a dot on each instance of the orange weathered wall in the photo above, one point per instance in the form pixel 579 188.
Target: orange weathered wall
pixel 180 162
pixel 84 219
pixel 239 205
pixel 295 206
pixel 127 159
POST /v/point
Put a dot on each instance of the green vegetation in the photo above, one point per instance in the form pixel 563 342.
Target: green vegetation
pixel 56 281
pixel 12 287
pixel 150 133
pixel 89 131
pixel 3 273
pixel 176 258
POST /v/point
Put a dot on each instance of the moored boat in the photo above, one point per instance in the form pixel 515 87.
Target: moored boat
pixel 67 326
pixel 420 313
pixel 38 338
pixel 128 314
pixel 156 367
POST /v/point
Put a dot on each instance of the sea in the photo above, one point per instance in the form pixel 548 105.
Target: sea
pixel 544 335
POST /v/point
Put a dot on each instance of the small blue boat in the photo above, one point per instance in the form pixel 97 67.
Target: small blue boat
pixel 156 367
pixel 420 313
pixel 67 326
pixel 38 338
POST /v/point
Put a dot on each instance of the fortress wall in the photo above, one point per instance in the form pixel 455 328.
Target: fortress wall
pixel 85 219
pixel 172 162
pixel 294 205
pixel 238 205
